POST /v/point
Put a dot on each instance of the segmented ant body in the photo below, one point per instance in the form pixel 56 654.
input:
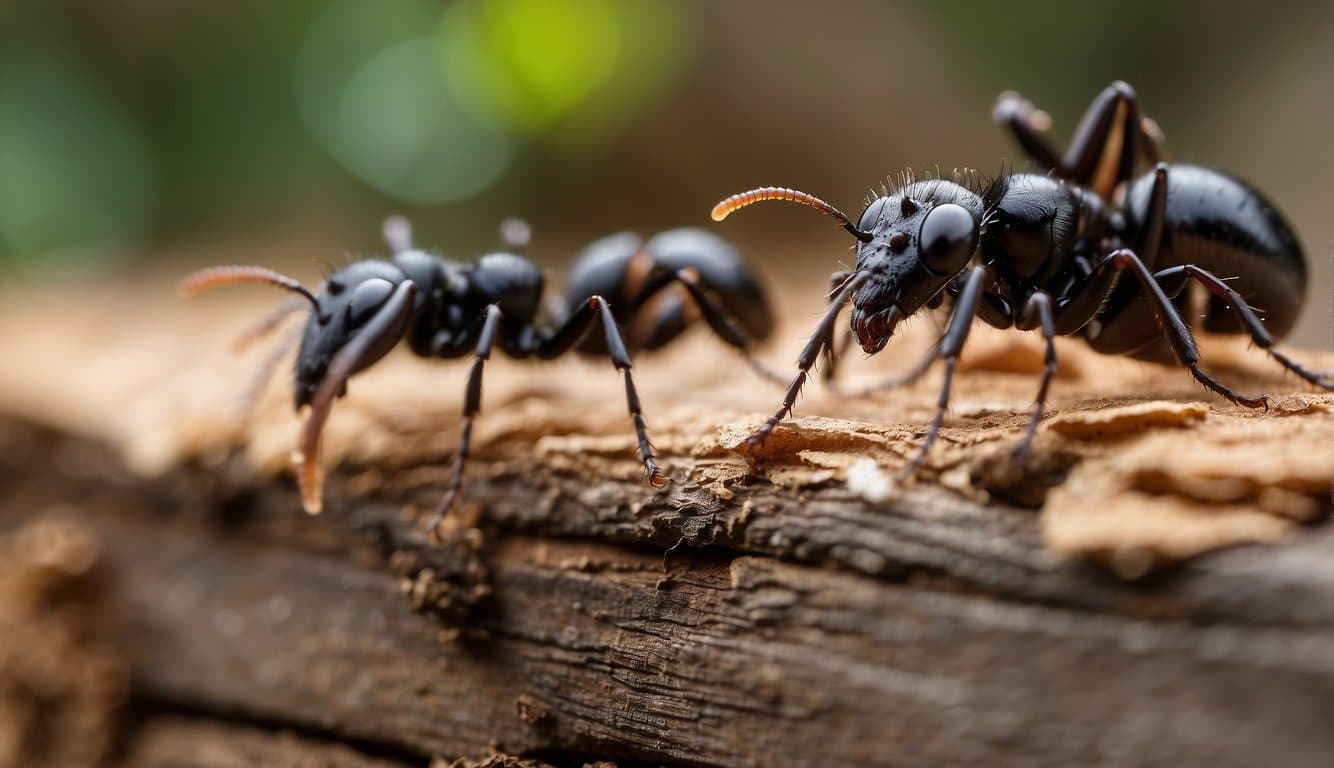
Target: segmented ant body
pixel 1051 252
pixel 449 309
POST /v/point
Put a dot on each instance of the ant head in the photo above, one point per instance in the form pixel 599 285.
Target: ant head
pixel 921 237
pixel 909 245
pixel 359 315
pixel 346 306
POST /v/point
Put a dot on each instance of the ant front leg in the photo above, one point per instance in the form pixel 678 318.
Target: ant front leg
pixel 806 360
pixel 904 379
pixel 1243 312
pixel 965 310
pixel 569 333
pixel 1027 122
pixel 472 404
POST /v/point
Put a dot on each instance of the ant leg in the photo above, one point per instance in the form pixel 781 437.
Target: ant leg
pixel 965 309
pixel 1037 312
pixel 569 333
pixel 833 354
pixel 1176 330
pixel 245 405
pixel 1246 316
pixel 806 360
pixel 723 326
pixel 1026 123
pixel 1151 139
pixel 903 379
pixel 265 325
pixel 472 404
pixel 1102 154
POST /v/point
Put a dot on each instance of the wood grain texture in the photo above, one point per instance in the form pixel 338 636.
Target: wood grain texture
pixel 591 649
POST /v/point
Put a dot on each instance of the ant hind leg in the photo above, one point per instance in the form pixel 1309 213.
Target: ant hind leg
pixel 1246 316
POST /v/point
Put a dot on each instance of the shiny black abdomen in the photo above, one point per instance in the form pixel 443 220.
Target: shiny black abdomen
pixel 1223 225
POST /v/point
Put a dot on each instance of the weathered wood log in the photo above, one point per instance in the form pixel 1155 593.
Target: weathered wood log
pixel 775 615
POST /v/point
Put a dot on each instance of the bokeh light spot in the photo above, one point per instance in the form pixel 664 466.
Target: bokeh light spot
pixel 557 69
pixel 375 98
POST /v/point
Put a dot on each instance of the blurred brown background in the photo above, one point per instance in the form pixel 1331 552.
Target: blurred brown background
pixel 137 132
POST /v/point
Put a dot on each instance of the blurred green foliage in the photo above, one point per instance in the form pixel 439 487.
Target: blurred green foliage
pixel 66 147
pixel 127 121
pixel 561 71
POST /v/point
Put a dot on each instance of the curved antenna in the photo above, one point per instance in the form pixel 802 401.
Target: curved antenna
pixel 213 277
pixel 398 233
pixel 759 194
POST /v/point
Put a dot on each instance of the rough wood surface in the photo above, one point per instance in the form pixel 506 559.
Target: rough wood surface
pixel 778 615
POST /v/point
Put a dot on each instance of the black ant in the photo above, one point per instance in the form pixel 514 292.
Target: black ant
pixel 1048 252
pixel 450 309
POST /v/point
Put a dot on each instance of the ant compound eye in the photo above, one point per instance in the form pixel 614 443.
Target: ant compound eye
pixel 948 236
pixel 871 216
pixel 366 298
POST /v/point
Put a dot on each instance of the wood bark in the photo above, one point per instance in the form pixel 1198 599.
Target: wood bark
pixel 766 615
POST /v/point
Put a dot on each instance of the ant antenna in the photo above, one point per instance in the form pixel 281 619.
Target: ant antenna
pixel 515 233
pixel 750 197
pixel 213 277
pixel 398 233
